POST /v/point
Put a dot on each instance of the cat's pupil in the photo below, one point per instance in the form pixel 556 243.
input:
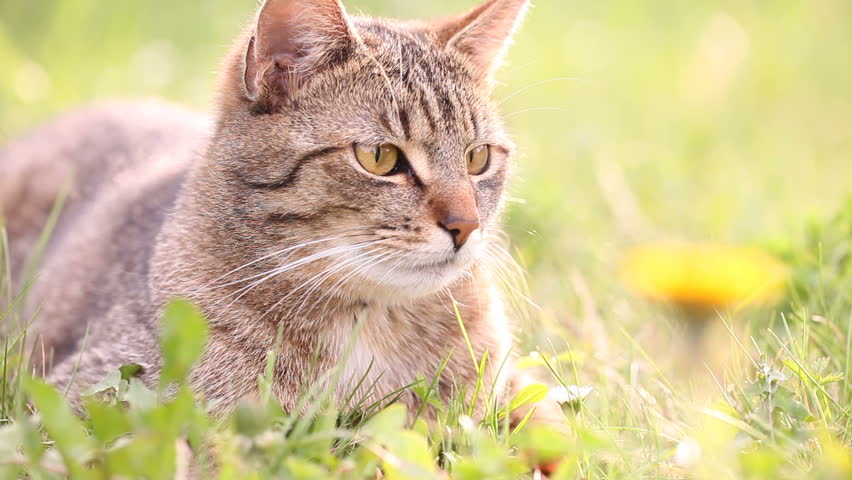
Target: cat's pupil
pixel 377 153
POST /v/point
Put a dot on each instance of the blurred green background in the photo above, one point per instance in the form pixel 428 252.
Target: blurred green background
pixel 711 121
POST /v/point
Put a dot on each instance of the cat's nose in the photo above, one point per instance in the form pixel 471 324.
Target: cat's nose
pixel 459 227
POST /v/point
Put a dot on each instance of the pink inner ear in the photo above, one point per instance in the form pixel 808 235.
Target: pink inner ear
pixel 296 27
pixel 293 33
pixel 285 61
pixel 250 75
pixel 280 34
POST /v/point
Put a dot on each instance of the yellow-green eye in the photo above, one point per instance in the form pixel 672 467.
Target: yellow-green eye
pixel 477 159
pixel 378 160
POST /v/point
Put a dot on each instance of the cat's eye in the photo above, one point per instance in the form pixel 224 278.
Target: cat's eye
pixel 378 159
pixel 477 159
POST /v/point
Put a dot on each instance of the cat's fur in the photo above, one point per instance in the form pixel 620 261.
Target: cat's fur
pixel 159 208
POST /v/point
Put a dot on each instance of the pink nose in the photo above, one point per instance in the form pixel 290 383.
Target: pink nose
pixel 459 227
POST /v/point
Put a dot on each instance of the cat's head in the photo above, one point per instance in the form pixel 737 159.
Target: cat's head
pixel 375 140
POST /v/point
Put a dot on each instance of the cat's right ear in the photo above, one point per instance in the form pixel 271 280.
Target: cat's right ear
pixel 292 40
pixel 484 33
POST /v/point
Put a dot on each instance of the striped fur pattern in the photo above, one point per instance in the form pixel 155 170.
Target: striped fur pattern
pixel 270 224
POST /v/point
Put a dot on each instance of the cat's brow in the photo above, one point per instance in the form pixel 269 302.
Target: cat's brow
pixel 294 173
pixel 427 114
pixel 406 124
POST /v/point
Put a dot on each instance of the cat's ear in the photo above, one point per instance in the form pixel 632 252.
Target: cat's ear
pixel 292 40
pixel 484 33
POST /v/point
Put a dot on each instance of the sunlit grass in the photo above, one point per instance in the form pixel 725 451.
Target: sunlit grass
pixel 778 408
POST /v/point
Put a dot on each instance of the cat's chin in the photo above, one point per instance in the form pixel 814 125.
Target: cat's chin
pixel 404 285
pixel 399 283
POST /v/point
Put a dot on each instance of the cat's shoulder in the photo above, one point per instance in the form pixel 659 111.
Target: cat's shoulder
pixel 143 115
pixel 106 134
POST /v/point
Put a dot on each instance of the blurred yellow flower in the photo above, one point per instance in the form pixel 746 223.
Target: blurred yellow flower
pixel 703 276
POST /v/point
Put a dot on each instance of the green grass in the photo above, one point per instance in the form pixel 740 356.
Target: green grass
pixel 778 406
pixel 707 121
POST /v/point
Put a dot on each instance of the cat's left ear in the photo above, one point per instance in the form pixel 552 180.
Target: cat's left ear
pixel 484 33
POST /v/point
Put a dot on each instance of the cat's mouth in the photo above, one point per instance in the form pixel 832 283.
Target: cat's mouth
pixel 417 277
pixel 438 263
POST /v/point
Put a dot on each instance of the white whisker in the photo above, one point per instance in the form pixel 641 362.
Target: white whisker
pixel 318 279
pixel 358 269
pixel 542 82
pixel 513 71
pixel 531 110
pixel 290 266
pixel 211 284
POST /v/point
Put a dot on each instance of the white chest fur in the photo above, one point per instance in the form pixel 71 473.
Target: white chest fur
pixel 379 356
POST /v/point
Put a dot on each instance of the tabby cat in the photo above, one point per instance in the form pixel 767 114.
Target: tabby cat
pixel 348 190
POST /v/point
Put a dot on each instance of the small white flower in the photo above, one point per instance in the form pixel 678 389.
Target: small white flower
pixel 571 394
pixel 467 423
pixel 687 453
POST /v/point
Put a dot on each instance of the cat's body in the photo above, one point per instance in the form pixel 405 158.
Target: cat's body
pixel 121 167
pixel 277 218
